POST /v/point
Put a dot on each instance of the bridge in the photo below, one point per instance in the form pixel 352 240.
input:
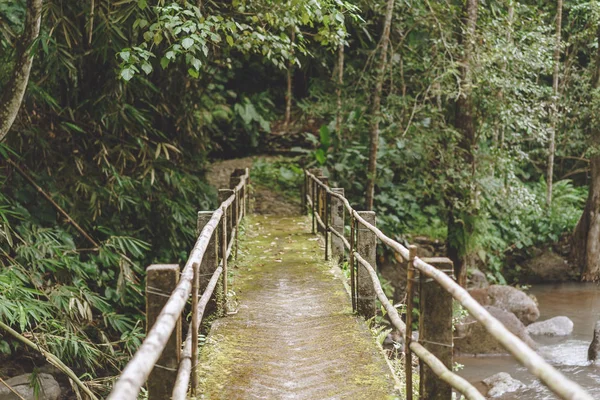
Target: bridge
pixel 297 327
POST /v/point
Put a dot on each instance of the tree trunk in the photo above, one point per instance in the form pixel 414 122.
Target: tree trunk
pixel 376 107
pixel 288 94
pixel 551 145
pixel 585 242
pixel 461 217
pixel 340 82
pixel 13 92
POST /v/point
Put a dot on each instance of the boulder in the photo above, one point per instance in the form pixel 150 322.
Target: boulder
pixel 502 383
pixel 594 348
pixel 557 326
pixel 477 280
pixel 547 267
pixel 48 388
pixel 473 338
pixel 508 299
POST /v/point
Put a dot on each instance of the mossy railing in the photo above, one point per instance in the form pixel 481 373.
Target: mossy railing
pixel 436 287
pixel 161 360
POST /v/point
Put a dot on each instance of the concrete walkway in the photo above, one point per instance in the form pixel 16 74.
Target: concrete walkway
pixel 294 336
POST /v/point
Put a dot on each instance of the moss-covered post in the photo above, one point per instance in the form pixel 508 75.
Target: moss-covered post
pixel 161 280
pixel 366 247
pixel 209 261
pixel 322 202
pixel 435 330
pixel 337 223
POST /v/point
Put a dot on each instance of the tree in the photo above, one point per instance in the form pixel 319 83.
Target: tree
pixel 13 92
pixel 554 115
pixel 376 106
pixel 586 238
pixel 460 203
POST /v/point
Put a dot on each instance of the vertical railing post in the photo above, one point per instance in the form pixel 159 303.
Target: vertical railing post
pixel 337 223
pixel 161 280
pixel 209 262
pixel 351 263
pixel 313 196
pixel 322 196
pixel 410 278
pixel 327 223
pixel 195 328
pixel 234 180
pixel 367 248
pixel 435 330
pixel 304 193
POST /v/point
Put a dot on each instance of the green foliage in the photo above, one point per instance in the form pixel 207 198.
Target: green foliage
pixel 283 175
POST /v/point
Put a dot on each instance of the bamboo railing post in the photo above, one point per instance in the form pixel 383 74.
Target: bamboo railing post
pixel 367 247
pixel 304 193
pixel 234 180
pixel 337 222
pixel 195 328
pixel 313 206
pixel 435 330
pixel 351 262
pixel 410 277
pixel 161 280
pixel 327 222
pixel 210 260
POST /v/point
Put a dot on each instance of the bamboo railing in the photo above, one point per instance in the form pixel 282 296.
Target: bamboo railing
pixel 205 259
pixel 322 201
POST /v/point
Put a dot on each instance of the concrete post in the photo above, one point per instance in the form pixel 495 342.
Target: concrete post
pixel 435 330
pixel 366 247
pixel 337 223
pixel 209 261
pixel 161 280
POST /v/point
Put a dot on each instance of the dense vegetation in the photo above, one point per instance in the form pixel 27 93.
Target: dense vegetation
pixel 455 103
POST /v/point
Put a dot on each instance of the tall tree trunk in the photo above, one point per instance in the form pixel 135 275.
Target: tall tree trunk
pixel 551 145
pixel 288 94
pixel 340 83
pixel 585 243
pixel 461 218
pixel 13 92
pixel 376 106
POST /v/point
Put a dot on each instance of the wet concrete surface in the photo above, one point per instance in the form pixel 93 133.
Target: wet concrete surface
pixel 294 335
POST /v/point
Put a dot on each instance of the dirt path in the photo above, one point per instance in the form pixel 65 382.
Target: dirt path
pixel 294 336
pixel 265 201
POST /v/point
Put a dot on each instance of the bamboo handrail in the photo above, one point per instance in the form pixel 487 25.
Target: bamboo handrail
pixel 552 378
pixel 139 367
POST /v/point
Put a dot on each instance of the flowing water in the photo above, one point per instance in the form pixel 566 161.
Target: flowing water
pixel 578 301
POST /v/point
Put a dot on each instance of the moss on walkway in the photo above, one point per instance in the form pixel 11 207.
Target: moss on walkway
pixel 294 336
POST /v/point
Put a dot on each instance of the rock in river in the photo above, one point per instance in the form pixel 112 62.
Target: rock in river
pixel 473 338
pixel 502 383
pixel 557 326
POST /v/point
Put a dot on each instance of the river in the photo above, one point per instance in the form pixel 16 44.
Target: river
pixel 578 301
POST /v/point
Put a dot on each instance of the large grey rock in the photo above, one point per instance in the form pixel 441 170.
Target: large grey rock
pixel 594 348
pixel 508 299
pixel 473 338
pixel 49 388
pixel 557 326
pixel 477 280
pixel 502 383
pixel 547 267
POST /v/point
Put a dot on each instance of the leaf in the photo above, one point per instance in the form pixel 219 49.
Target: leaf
pixel 147 68
pixel 193 73
pixel 229 40
pixel 325 136
pixel 142 4
pixel 164 62
pixel 127 74
pixel 187 43
pixel 125 55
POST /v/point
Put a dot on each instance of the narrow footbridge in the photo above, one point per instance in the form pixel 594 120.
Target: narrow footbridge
pixel 286 322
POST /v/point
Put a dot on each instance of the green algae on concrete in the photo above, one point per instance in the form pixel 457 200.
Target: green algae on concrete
pixel 294 335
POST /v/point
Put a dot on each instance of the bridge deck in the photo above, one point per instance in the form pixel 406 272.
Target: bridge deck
pixel 294 336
